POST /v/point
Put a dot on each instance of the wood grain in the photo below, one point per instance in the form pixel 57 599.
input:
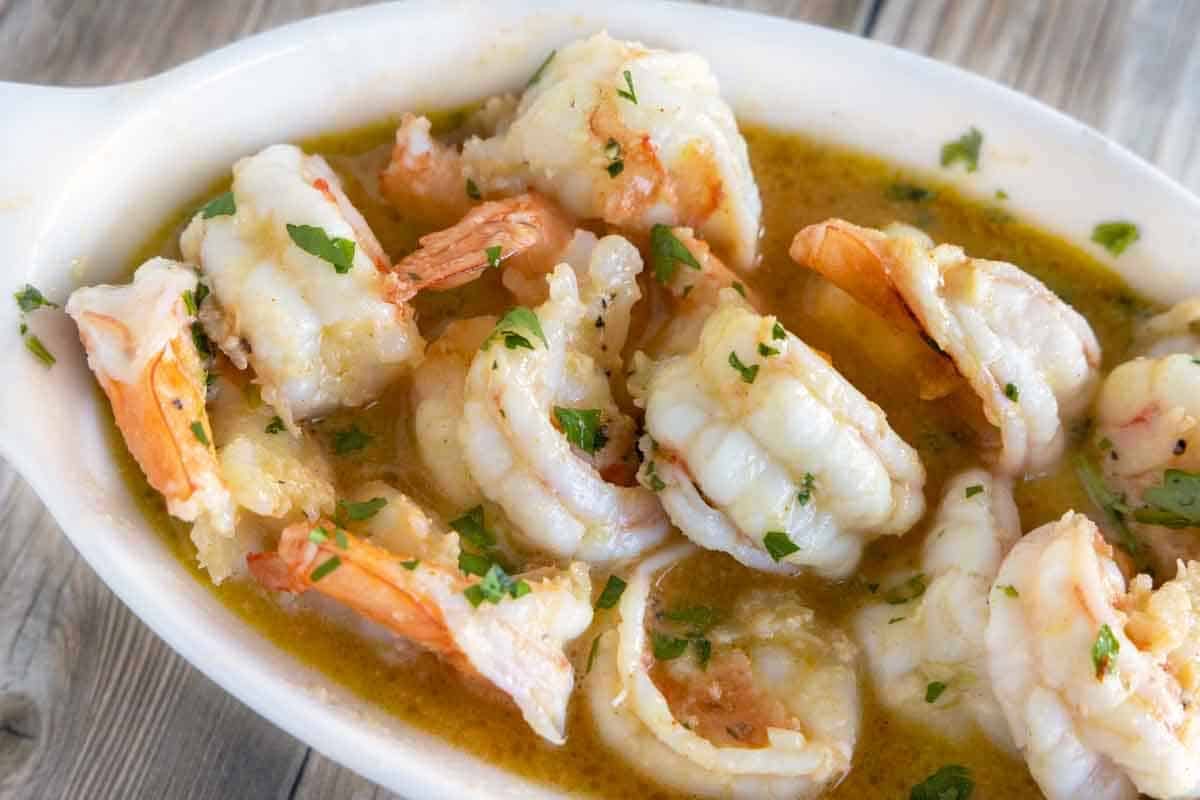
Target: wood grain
pixel 93 705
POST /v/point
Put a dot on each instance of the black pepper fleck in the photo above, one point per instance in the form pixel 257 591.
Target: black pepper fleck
pixel 1180 447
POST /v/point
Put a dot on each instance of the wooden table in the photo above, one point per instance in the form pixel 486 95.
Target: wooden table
pixel 93 705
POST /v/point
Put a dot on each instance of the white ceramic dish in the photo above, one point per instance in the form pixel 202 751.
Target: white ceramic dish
pixel 88 173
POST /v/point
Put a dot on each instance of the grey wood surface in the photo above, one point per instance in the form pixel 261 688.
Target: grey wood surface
pixel 93 705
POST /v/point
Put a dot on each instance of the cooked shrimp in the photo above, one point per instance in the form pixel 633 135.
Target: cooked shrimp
pixel 424 178
pixel 139 344
pixel 509 631
pixel 437 399
pixel 759 448
pixel 318 330
pixel 633 136
pixel 925 641
pixel 1030 357
pixel 539 369
pixel 773 710
pixel 1146 424
pixel 529 231
pixel 1098 679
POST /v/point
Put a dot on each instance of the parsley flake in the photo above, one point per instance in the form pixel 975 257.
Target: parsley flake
pixel 274 426
pixel 905 592
pixel 473 564
pixel 1114 509
pixel 616 164
pixel 591 662
pixel 581 426
pixel 495 584
pixel 357 512
pixel 951 782
pixel 778 545
pixel 1012 392
pixel 1174 504
pixel 326 567
pixel 699 618
pixel 777 332
pixel 34 345
pixel 318 535
pixel 973 490
pixel 667 253
pixel 1104 651
pixel 739 288
pixel 628 93
pixel 471 527
pixel 748 373
pixel 766 351
pixel 473 190
pixel 666 647
pixel 806 489
pixel 350 440
pixel 653 481
pixel 909 193
pixel 612 592
pixel 537 75
pixel 222 205
pixel 965 149
pixel 493 254
pixel 1009 590
pixel 1115 236
pixel 198 431
pixel 337 250
pixel 515 329
pixel 30 299
pixel 410 565
pixel 933 691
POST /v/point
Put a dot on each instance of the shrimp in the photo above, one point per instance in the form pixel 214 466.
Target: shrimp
pixel 1098 679
pixel 507 631
pixel 767 706
pixel 424 178
pixel 553 366
pixel 437 402
pixel 633 136
pixel 756 446
pixel 529 231
pixel 1030 357
pixel 1176 330
pixel 300 287
pixel 140 346
pixel 925 643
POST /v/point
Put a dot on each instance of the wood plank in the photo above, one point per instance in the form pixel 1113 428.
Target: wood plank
pixel 1130 69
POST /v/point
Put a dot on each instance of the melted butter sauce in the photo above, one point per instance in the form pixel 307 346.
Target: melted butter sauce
pixel 802 182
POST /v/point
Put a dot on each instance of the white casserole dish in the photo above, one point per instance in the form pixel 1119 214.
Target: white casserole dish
pixel 88 173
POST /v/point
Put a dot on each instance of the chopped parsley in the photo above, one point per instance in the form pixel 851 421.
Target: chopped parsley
pixel 473 190
pixel 778 545
pixel 350 440
pixel 1114 509
pixel 894 620
pixel 200 339
pixel 667 647
pixel 933 691
pixel 34 345
pixel 1104 651
pixel 766 351
pixel 581 426
pixel 222 205
pixel 1115 236
pixel 411 564
pixel 703 651
pixel 616 164
pixel 905 592
pixel 1104 444
pixel 473 563
pixel 471 527
pixel 495 584
pixel 493 254
pixel 189 302
pixel 909 193
pixel 628 93
pixel 655 483
pixel 337 250
pixel 965 149
pixel 974 489
pixel 700 618
pixel 951 782
pixel 739 288
pixel 1174 504
pixel 591 662
pixel 1001 194
pixel 198 431
pixel 806 489
pixel 274 426
pixel 1012 392
pixel 667 253
pixel 537 75
pixel 318 535
pixel 611 593
pixel 30 299
pixel 326 567
pixel 515 329
pixel 777 332
pixel 1009 590
pixel 748 373
pixel 357 512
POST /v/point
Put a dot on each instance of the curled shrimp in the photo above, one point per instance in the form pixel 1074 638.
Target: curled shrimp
pixel 299 287
pixel 1097 677
pixel 756 446
pixel 424 178
pixel 1030 357
pixel 767 707
pixel 510 632
pixel 929 629
pixel 540 376
pixel 636 137
pixel 139 343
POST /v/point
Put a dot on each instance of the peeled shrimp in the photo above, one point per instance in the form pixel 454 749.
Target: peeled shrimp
pixel 529 231
pixel 562 498
pixel 139 344
pixel 755 441
pixel 658 146
pixel 773 712
pixel 1098 678
pixel 1030 357
pixel 415 589
pixel 424 178
pixel 318 339
pixel 925 639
